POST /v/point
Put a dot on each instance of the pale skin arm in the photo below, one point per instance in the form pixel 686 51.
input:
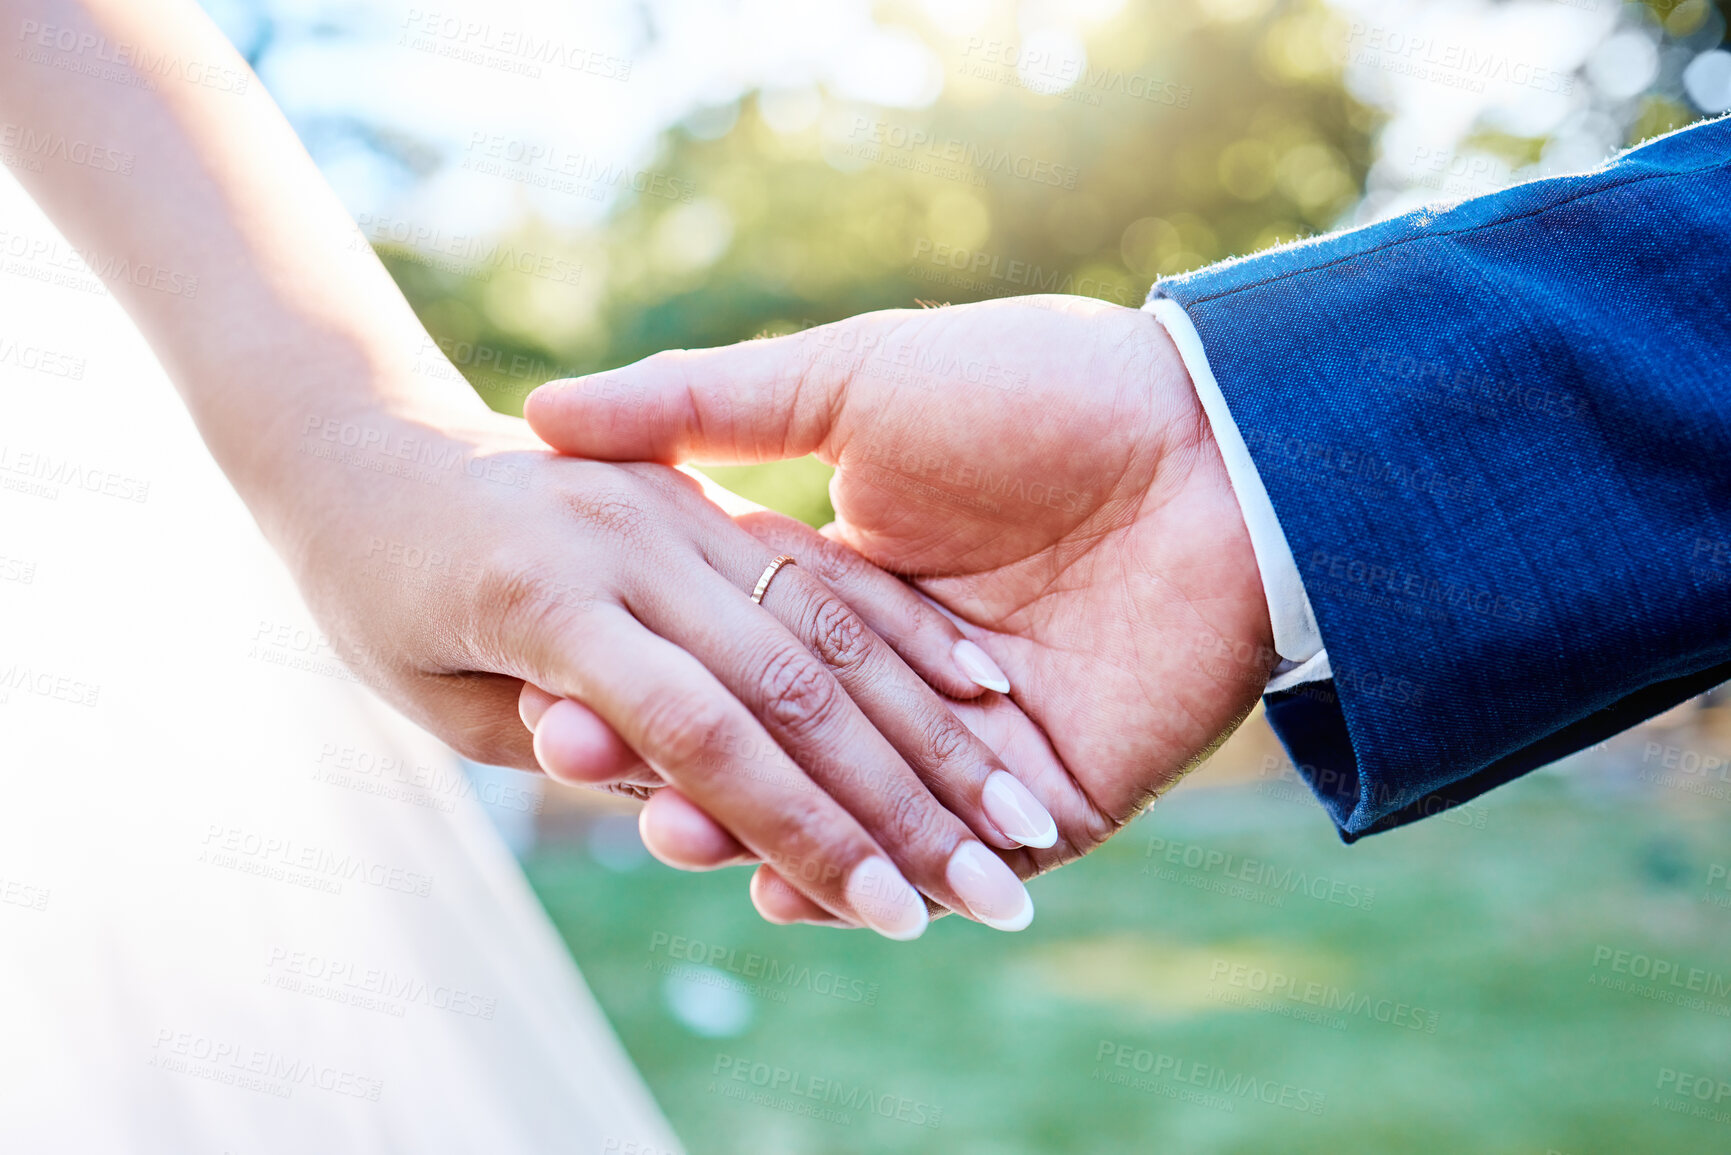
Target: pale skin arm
pixel 619 588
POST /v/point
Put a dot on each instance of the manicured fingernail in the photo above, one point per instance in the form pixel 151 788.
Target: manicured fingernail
pixel 991 890
pixel 979 667
pixel 884 901
pixel 1017 812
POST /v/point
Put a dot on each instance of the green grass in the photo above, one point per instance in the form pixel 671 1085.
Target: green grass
pixel 1495 930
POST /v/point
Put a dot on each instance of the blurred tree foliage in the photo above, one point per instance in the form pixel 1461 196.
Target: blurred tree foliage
pixel 1197 129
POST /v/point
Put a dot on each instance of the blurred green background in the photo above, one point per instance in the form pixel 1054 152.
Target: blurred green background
pixel 1547 970
pixel 1481 982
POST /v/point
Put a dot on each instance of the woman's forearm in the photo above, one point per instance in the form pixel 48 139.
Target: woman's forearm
pixel 616 587
pixel 294 320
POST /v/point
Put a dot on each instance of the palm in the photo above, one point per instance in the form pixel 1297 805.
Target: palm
pixel 1061 494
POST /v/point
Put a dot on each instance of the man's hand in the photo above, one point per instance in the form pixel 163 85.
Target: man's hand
pixel 1042 469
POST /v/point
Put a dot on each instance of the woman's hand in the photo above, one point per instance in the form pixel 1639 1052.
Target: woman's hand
pixel 1042 467
pixel 451 560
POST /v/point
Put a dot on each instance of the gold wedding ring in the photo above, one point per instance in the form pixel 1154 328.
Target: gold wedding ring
pixel 769 573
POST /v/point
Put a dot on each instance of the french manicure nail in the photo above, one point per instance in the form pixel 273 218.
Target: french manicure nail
pixel 979 667
pixel 884 901
pixel 1017 812
pixel 991 890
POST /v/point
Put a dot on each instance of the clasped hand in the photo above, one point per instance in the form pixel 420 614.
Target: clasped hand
pixel 1037 468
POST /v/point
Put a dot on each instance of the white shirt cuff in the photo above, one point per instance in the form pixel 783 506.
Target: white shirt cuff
pixel 1297 640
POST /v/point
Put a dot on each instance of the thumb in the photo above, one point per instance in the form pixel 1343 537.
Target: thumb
pixel 762 400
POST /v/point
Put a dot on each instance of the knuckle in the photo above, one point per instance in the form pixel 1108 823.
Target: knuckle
pixel 913 818
pixel 660 482
pixel 769 527
pixel 511 591
pixel 832 564
pixel 838 635
pixel 686 729
pixel 799 695
pixel 946 741
pixel 616 512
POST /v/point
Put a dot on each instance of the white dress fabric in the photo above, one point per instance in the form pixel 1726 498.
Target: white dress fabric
pixel 244 907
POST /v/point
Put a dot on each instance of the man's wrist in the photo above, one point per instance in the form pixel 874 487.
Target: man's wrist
pixel 1224 588
pixel 1297 639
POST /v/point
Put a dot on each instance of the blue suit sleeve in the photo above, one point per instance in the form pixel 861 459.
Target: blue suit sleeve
pixel 1498 438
